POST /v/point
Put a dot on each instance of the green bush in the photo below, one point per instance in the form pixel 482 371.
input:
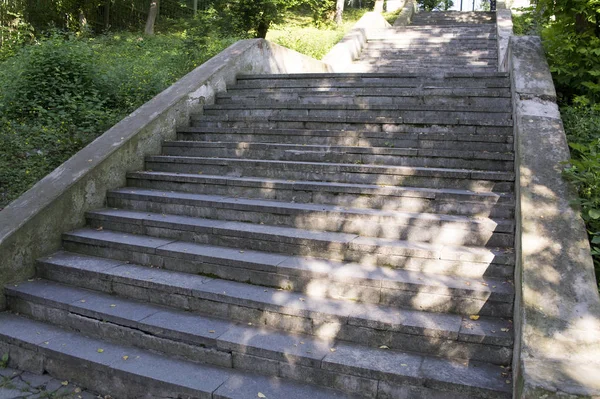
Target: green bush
pixel 582 125
pixel 59 95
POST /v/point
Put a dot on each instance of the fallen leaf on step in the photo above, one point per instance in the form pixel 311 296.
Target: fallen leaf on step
pixel 113 305
pixel 504 329
pixel 403 364
pixel 384 347
pixel 261 395
pixel 332 349
pixel 100 228
pixel 100 350
pixel 64 383
pixel 474 317
pixel 125 357
pixel 211 331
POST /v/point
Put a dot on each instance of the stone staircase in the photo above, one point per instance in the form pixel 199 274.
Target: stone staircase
pixel 436 42
pixel 308 236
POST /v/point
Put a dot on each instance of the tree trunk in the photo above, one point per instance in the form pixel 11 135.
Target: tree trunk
pixel 262 29
pixel 152 13
pixel 339 11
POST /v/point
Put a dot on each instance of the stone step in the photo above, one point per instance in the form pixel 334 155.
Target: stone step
pixel 418 227
pixel 398 94
pixel 432 61
pixel 462 179
pixel 355 369
pixel 410 199
pixel 419 286
pixel 369 76
pixel 434 32
pixel 441 102
pixel 374 124
pixel 357 155
pixel 332 83
pixel 126 372
pixel 237 112
pixel 295 241
pixel 422 69
pixel 444 335
pixel 384 109
pixel 450 53
pixel 427 140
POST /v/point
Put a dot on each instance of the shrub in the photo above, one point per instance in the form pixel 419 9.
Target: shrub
pixel 582 125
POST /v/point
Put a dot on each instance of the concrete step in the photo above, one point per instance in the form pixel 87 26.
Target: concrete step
pixel 401 60
pixel 357 67
pixel 440 102
pixel 393 95
pixel 394 109
pixel 410 199
pixel 369 76
pixel 237 112
pixel 289 240
pixel 419 286
pixel 426 138
pixel 126 372
pixel 373 124
pixel 418 227
pixel 486 80
pixel 337 154
pixel 248 348
pixel 445 335
pixel 462 179
pixel 387 52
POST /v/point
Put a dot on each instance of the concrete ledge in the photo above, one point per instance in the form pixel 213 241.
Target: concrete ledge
pixel 349 48
pixel 504 30
pixel 557 317
pixel 405 17
pixel 32 225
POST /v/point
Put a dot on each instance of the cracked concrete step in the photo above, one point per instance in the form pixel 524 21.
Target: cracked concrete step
pixel 444 335
pixel 126 372
pixel 409 199
pixel 343 154
pixel 425 138
pixel 422 227
pixel 396 109
pixel 295 241
pixel 356 369
pixel 463 179
pixel 420 288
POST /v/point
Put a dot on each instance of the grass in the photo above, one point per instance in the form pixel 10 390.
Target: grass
pixel 299 32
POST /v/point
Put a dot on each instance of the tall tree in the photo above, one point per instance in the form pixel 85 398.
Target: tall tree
pixel 339 11
pixel 152 13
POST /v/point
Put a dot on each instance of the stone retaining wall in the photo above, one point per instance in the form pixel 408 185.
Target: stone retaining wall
pixel 557 316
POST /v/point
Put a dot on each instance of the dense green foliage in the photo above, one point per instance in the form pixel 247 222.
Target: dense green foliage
pixel 435 5
pixel 60 94
pixel 582 125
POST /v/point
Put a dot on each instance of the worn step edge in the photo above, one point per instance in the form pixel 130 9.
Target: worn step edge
pixel 298 272
pixel 433 136
pixel 291 311
pixel 330 244
pixel 384 151
pixel 273 105
pixel 249 348
pixel 311 76
pixel 397 225
pixel 125 371
pixel 378 170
